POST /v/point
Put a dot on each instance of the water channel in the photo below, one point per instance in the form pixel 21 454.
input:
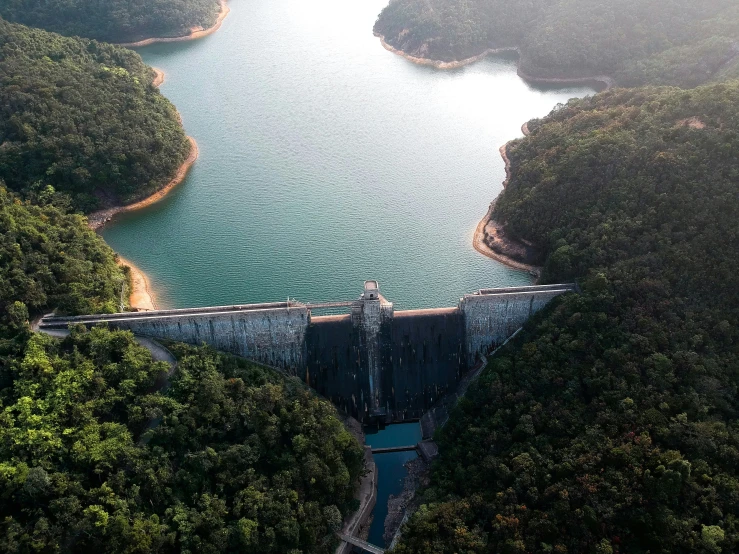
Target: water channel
pixel 326 160
pixel 391 470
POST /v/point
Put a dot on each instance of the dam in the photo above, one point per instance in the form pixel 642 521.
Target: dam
pixel 371 361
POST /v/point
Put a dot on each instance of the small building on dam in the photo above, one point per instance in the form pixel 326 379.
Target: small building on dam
pixel 370 360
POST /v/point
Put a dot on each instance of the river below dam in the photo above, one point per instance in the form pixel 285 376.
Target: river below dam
pixel 326 160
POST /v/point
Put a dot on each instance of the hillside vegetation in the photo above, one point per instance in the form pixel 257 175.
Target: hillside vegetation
pixel 51 259
pixel 610 424
pixel 113 20
pixel 231 458
pixel 82 117
pixel 670 42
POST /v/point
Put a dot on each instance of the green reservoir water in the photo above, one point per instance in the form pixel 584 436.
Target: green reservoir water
pixel 391 470
pixel 326 160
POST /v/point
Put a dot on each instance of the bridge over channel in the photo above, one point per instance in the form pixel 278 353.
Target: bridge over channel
pixel 364 545
pixel 372 361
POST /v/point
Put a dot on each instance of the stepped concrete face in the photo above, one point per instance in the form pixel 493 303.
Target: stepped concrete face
pixel 373 362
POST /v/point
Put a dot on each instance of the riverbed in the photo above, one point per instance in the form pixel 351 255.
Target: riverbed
pixel 326 160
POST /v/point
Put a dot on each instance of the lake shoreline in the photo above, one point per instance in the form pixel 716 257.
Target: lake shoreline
pixel 97 220
pixel 478 243
pixel 488 226
pixel 140 297
pixel 438 64
pixel 605 80
pixel 158 77
pixel 200 33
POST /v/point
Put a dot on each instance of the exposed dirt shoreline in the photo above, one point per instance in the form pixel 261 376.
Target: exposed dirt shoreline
pixel 607 81
pixel 438 64
pixel 493 228
pixel 141 296
pixel 158 77
pixel 194 35
pixel 489 226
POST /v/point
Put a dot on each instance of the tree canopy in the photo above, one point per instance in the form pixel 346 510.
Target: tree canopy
pixel 232 457
pixel 51 259
pixel 113 20
pixel 609 425
pixel 84 118
pixel 670 42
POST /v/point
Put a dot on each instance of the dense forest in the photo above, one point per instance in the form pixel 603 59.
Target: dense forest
pixel 671 42
pixel 83 118
pixel 231 457
pixel 51 259
pixel 610 424
pixel 113 20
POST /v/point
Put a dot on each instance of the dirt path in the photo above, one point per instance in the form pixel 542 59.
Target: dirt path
pixel 194 35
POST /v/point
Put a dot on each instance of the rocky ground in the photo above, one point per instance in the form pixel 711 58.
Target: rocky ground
pixel 418 476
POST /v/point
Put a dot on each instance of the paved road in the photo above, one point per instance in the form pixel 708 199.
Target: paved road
pixel 158 352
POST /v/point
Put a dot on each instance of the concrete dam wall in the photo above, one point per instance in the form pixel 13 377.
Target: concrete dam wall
pixel 373 362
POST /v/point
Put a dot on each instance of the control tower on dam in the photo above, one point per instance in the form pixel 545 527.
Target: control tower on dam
pixel 372 361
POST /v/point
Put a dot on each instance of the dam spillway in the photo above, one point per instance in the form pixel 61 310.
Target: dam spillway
pixel 373 362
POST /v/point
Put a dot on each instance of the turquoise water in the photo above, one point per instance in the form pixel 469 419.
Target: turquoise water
pixel 391 470
pixel 324 161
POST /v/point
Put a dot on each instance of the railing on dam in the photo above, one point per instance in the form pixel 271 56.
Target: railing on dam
pixel 372 362
pixel 63 321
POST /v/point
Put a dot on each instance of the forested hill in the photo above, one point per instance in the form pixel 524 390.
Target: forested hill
pixel 669 42
pixel 232 458
pixel 113 20
pixel 84 118
pixel 51 259
pixel 610 425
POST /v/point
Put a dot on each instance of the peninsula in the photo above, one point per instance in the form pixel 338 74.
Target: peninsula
pixel 577 41
pixel 122 21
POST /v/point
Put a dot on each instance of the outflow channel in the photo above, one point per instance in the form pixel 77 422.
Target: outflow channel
pixel 391 470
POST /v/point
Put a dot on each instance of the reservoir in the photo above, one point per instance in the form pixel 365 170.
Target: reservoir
pixel 326 160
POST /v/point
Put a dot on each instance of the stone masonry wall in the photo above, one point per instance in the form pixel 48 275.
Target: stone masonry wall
pixel 489 319
pixel 272 336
